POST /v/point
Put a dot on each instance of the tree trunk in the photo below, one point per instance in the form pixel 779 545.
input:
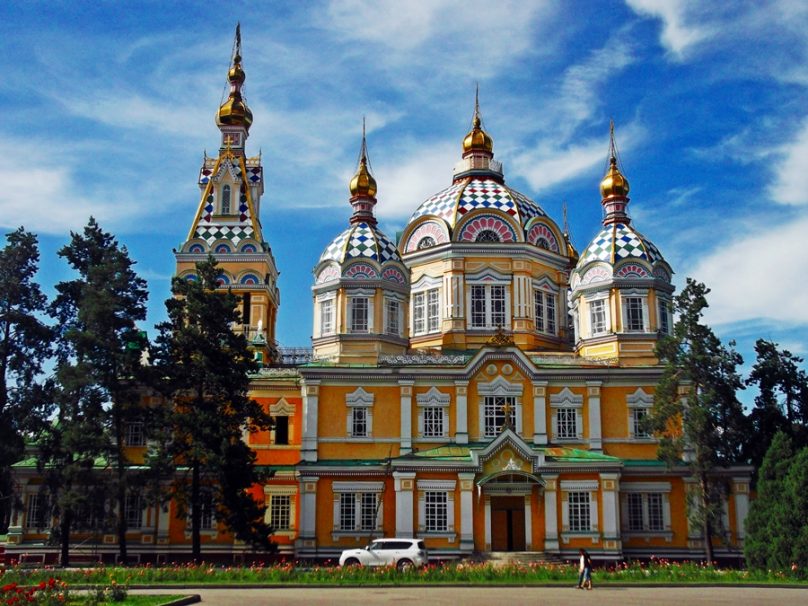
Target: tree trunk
pixel 121 469
pixel 66 523
pixel 706 526
pixel 196 513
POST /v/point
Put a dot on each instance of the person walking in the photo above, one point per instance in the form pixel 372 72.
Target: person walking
pixel 584 569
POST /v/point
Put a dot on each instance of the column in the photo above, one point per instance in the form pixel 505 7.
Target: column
pixel 540 413
pixel 528 523
pixel 609 483
pixel 454 297
pixel 487 522
pixel 311 394
pixel 740 490
pixel 461 412
pixel 307 537
pixel 404 483
pixel 405 439
pixel 593 392
pixel 550 512
pixel 163 522
pixel 466 511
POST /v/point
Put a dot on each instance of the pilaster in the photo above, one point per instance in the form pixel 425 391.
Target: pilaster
pixel 461 412
pixel 609 487
pixel 405 439
pixel 550 512
pixel 740 492
pixel 404 483
pixel 311 395
pixel 540 413
pixel 466 481
pixel 593 397
pixel 307 539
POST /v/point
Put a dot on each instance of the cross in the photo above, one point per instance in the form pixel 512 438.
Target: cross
pixel 506 410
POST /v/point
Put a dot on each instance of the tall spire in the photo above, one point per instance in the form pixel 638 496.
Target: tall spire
pixel 477 140
pixel 614 187
pixel 363 187
pixel 234 111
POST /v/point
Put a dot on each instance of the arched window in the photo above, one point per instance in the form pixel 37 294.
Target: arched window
pixel 426 242
pixel 226 200
pixel 487 235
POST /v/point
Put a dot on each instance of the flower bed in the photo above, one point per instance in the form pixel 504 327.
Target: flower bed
pixel 657 571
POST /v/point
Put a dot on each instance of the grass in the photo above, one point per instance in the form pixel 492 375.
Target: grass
pixel 658 571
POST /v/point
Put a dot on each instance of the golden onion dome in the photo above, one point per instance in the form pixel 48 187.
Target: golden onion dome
pixel 234 111
pixel 614 183
pixel 477 139
pixel 363 183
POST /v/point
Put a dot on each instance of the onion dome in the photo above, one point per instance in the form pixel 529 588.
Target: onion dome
pixel 361 241
pixel 614 183
pixel 234 111
pixel 363 184
pixel 477 139
pixel 619 241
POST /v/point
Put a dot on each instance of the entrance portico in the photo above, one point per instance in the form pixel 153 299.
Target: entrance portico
pixel 509 509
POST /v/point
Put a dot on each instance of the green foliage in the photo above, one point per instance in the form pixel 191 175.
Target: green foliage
pixel 782 402
pixel 204 366
pixel 696 413
pixel 24 346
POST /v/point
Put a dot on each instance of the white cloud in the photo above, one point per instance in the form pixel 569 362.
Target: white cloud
pixel 790 184
pixel 757 276
pixel 678 32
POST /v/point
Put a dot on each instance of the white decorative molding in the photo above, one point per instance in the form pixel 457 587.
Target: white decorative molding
pixel 360 397
pixel 566 398
pixel 579 485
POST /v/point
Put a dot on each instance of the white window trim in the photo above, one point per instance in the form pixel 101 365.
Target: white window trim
pixel 320 299
pixel 567 399
pixel 549 289
pixel 142 502
pixel 292 494
pixel 488 278
pixel 360 293
pixel 668 305
pixel 357 489
pixel 359 399
pixel 499 387
pixel 388 297
pixel 590 329
pixel 434 398
pixel 638 400
pixel 635 294
pixel 424 286
pixel 644 488
pixel 588 486
pixel 447 486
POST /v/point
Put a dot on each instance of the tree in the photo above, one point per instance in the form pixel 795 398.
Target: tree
pixel 767 526
pixel 696 412
pixel 99 353
pixel 205 367
pixel 782 402
pixel 24 346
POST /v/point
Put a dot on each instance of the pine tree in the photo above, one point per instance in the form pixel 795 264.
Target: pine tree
pixel 205 367
pixel 767 526
pixel 99 353
pixel 782 402
pixel 696 412
pixel 796 490
pixel 24 346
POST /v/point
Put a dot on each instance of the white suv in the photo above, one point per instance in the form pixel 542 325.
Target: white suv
pixel 401 553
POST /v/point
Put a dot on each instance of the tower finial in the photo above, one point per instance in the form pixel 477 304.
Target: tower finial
pixel 612 145
pixel 614 187
pixel 363 185
pixel 477 121
pixel 477 139
pixel 564 214
pixel 234 111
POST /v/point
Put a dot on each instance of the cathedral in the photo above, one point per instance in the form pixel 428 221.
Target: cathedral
pixel 476 382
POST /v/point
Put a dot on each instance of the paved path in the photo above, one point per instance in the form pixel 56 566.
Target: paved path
pixel 501 596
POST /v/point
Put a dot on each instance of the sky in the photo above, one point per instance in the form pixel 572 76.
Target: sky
pixel 108 108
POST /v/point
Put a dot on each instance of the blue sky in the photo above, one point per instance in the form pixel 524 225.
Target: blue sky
pixel 108 106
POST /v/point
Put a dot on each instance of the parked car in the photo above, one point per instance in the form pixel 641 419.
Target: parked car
pixel 401 553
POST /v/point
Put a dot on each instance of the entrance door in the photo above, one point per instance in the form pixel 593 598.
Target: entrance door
pixel 507 524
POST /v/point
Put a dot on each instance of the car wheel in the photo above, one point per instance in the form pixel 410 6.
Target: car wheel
pixel 404 565
pixel 351 562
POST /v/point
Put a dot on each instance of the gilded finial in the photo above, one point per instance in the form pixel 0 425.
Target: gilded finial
pixel 363 183
pixel 571 252
pixel 614 184
pixel 234 111
pixel 477 139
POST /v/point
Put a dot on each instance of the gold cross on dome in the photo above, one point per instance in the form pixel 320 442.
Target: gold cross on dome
pixel 507 408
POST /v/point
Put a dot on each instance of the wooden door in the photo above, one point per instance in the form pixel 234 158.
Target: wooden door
pixel 499 530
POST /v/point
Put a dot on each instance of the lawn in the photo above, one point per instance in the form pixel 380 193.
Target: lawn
pixel 657 571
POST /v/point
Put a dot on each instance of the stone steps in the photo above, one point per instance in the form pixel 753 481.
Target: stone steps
pixel 505 558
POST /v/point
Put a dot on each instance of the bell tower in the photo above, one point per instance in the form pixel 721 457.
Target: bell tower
pixel 227 224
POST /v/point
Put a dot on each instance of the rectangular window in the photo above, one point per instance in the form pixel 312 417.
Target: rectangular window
pixel 478 306
pixel 494 408
pixel 433 310
pixel 497 306
pixel 419 313
pixel 579 515
pixel 634 315
pixel 433 422
pixel 545 312
pixel 35 514
pixel 436 510
pixel 664 318
pixel 347 511
pixel 393 309
pixel 133 511
pixel 566 424
pixel 281 430
pixel 597 316
pixel 327 317
pixel 368 510
pixel 207 518
pixel 134 434
pixel 551 313
pixel 635 516
pixel 359 422
pixel 280 511
pixel 656 520
pixel 359 314
pixel 637 428
pixel 538 304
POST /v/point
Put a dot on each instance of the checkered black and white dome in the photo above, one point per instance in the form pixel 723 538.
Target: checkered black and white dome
pixel 474 193
pixel 361 241
pixel 617 242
